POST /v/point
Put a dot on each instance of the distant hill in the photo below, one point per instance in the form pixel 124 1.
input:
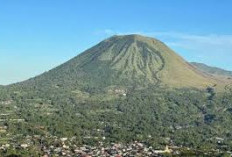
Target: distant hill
pixel 128 60
pixel 212 70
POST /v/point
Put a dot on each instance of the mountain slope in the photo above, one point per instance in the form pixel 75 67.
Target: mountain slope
pixel 99 97
pixel 129 60
pixel 212 70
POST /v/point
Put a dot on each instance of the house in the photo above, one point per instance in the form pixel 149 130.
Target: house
pixel 167 150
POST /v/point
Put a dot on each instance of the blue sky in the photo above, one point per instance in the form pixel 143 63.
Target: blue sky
pixel 37 35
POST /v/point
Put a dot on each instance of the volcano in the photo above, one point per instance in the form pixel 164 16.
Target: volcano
pixel 127 60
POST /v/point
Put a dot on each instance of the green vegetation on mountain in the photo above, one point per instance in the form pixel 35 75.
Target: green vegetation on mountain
pixel 130 60
pixel 125 88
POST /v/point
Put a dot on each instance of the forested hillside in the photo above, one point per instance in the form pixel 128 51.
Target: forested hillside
pixel 126 89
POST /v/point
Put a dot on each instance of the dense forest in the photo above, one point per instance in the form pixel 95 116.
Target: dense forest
pixel 191 118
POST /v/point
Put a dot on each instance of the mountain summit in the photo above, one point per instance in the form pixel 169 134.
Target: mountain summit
pixel 127 60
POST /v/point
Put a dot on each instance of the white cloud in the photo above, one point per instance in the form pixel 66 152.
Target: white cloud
pixel 110 32
pixel 212 49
